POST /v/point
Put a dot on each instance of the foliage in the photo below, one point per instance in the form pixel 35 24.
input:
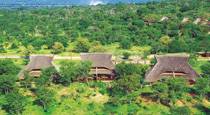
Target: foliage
pixel 8 67
pixel 177 87
pixel 136 24
pixel 27 81
pixel 161 90
pixel 73 70
pixel 180 111
pixel 82 45
pixel 202 86
pixel 97 47
pixel 137 27
pixel 126 55
pixel 124 69
pixel 126 84
pixel 165 41
pixel 47 76
pixel 15 103
pixel 125 44
pixel 7 83
pixel 25 52
pixel 206 69
pixel 33 110
pixel 193 59
pixel 57 48
pixel 45 97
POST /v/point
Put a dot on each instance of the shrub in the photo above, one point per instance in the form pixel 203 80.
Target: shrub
pixel 7 83
pixel 45 97
pixel 15 103
pixel 124 69
pixel 180 111
pixel 8 67
pixel 126 84
pixel 57 48
pixel 73 70
pixel 48 75
pixel 82 45
pixel 126 55
pixel 177 87
pixel 125 44
pixel 202 86
pixel 206 69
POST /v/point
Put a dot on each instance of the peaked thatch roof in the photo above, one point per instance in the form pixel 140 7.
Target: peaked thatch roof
pixel 39 62
pixel 99 60
pixel 170 64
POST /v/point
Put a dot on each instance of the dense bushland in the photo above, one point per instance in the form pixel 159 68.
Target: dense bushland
pixel 56 92
pixel 165 26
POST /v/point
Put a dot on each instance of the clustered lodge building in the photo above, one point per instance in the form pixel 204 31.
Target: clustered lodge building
pixel 171 65
pixel 36 64
pixel 102 66
pixel 104 69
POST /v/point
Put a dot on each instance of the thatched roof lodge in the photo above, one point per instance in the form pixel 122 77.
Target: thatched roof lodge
pixel 36 64
pixel 101 63
pixel 171 65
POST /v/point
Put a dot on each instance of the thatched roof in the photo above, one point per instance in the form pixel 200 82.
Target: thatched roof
pixel 100 60
pixel 170 64
pixel 39 62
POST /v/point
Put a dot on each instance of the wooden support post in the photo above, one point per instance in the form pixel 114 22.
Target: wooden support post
pixel 96 73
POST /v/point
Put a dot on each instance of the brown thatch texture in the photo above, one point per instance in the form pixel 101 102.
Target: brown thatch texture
pixel 99 59
pixel 36 64
pixel 101 63
pixel 39 62
pixel 170 64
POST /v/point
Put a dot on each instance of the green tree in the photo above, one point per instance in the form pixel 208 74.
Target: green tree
pixel 82 45
pixel 7 66
pixel 2 50
pixel 165 41
pixel 25 52
pixel 161 90
pixel 180 111
pixel 15 103
pixel 47 76
pixel 126 85
pixel 125 43
pixel 177 86
pixel 145 52
pixel 202 86
pixel 71 71
pixel 45 97
pixel 68 72
pixel 124 69
pixel 7 45
pixel 57 48
pixel 83 69
pixel 206 69
pixel 97 47
pixel 7 83
pixel 126 55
